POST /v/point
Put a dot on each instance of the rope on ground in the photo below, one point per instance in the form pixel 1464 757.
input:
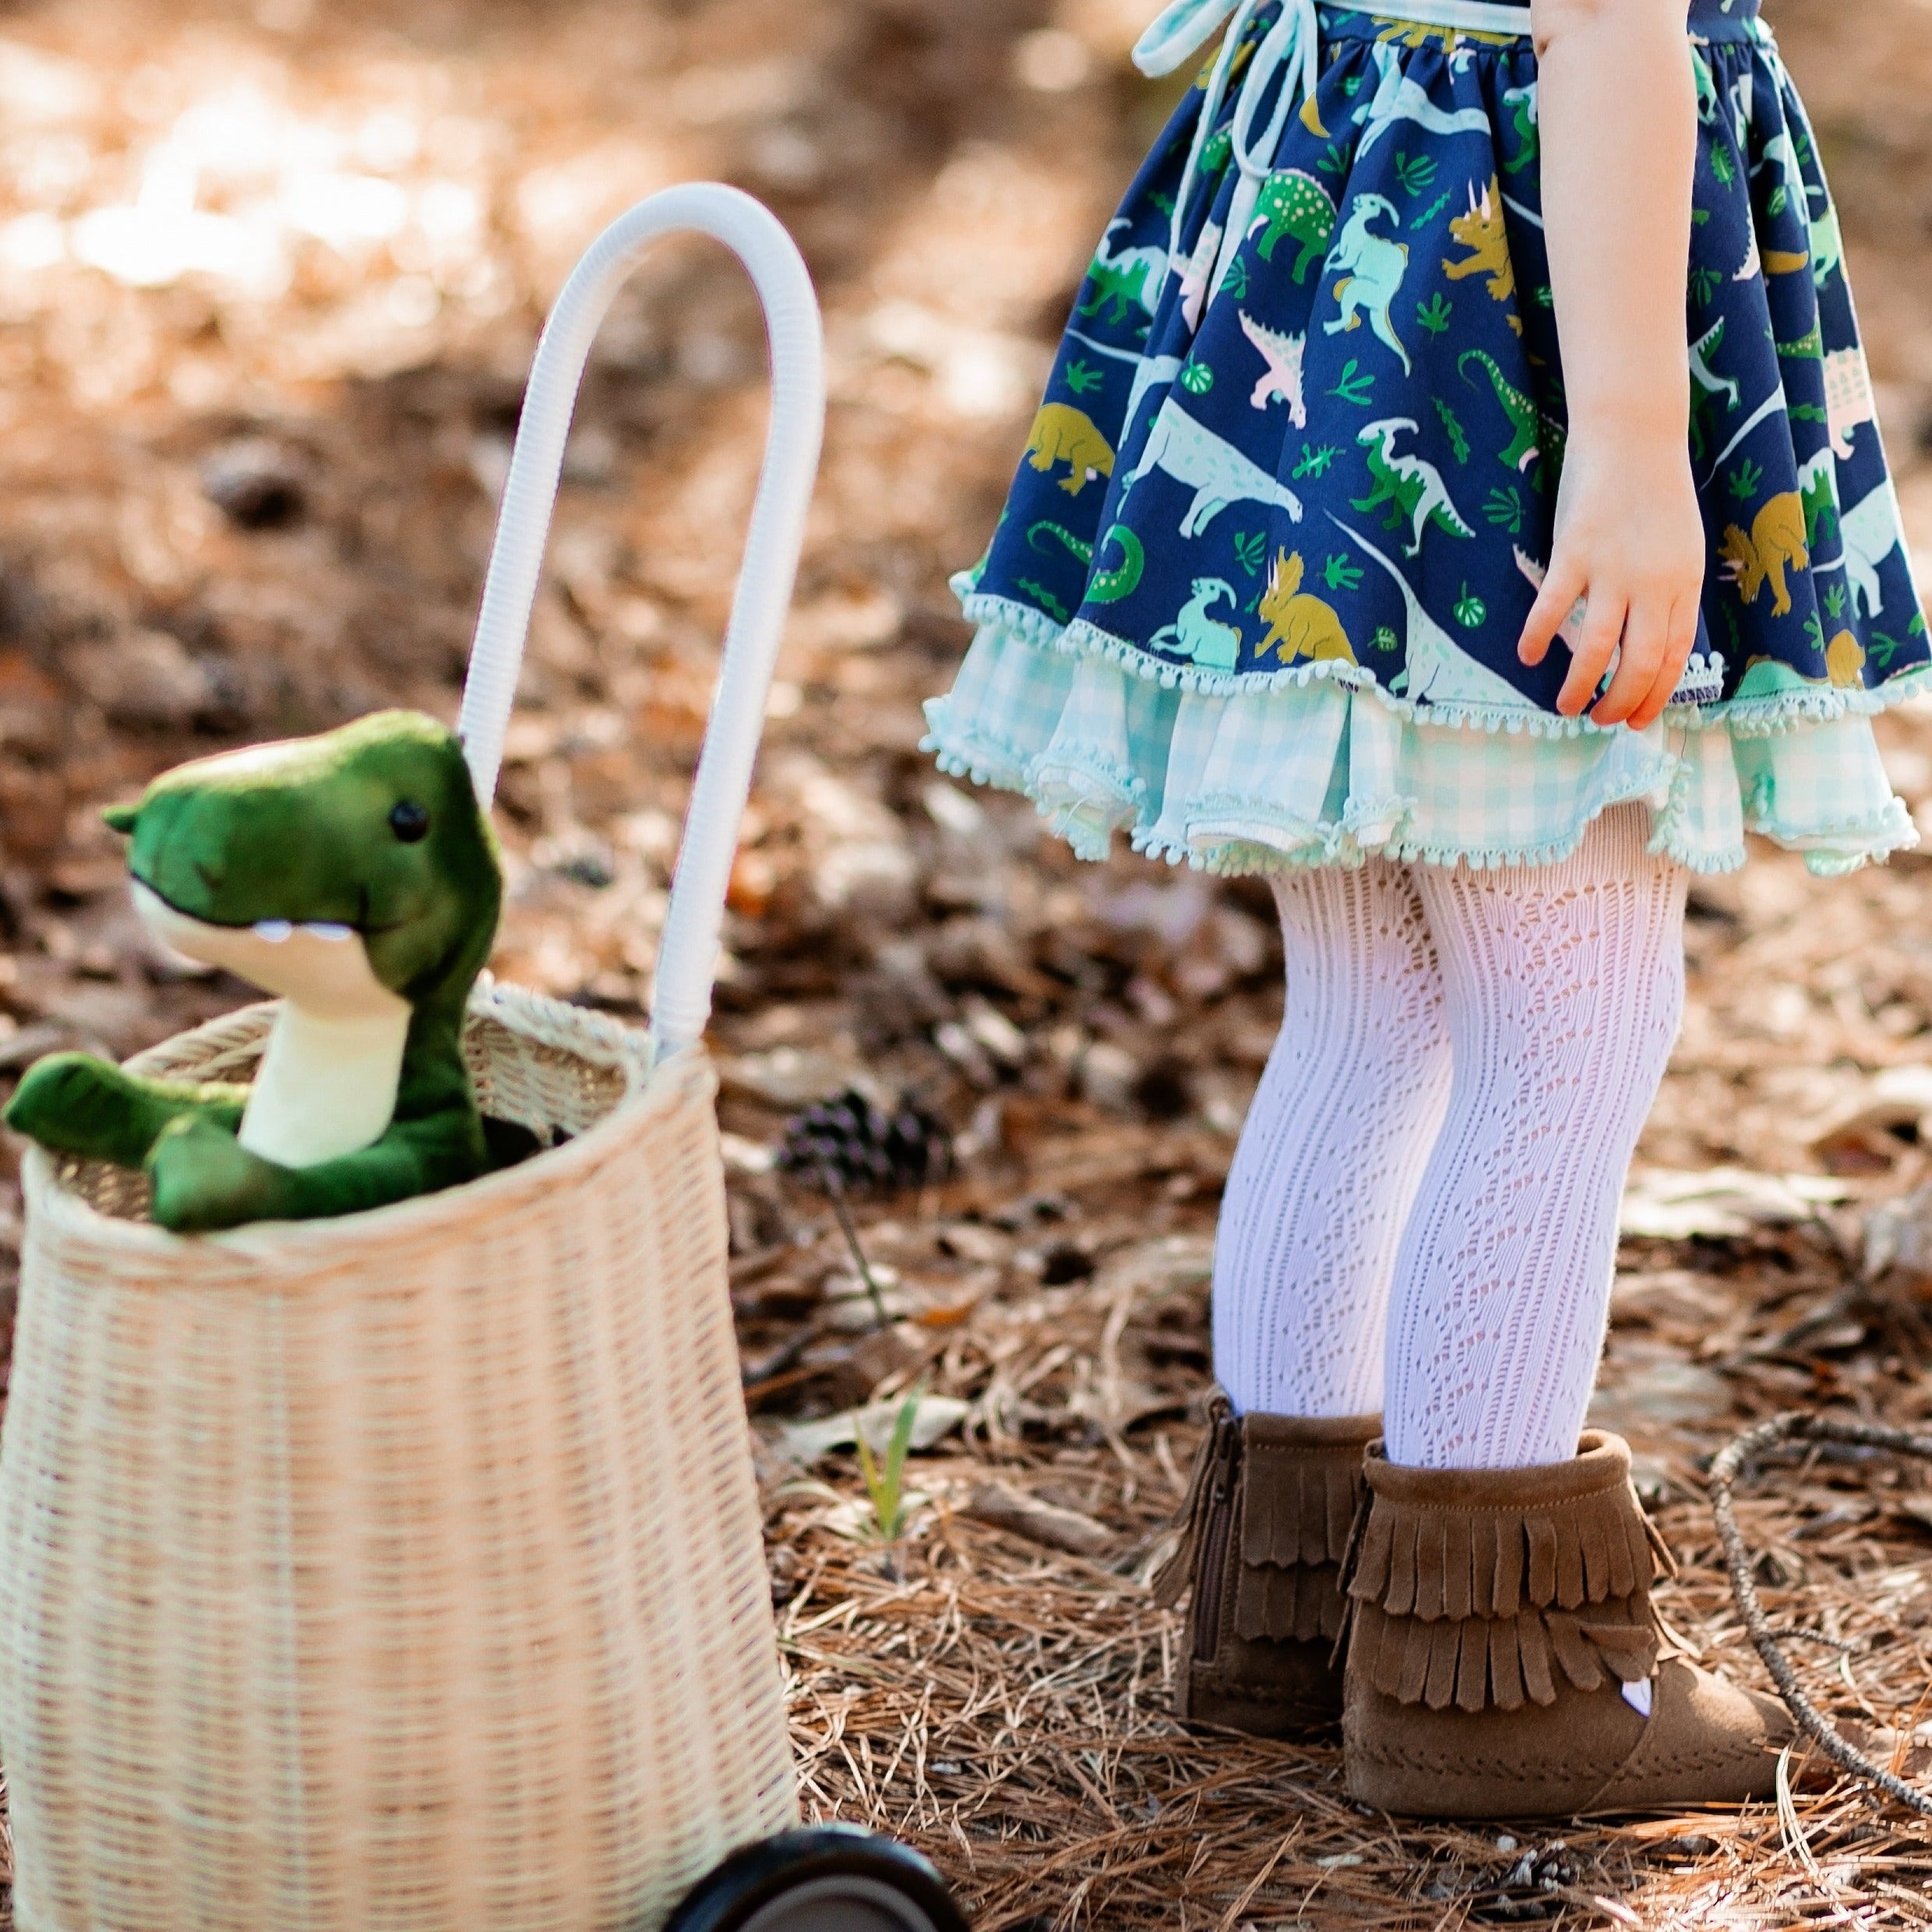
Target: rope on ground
pixel 1736 1461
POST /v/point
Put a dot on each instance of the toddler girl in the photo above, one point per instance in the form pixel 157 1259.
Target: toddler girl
pixel 1458 499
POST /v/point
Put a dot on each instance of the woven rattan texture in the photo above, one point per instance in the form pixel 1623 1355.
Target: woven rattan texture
pixel 401 1572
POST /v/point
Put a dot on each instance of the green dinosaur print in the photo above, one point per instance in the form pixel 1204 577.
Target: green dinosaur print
pixel 1412 488
pixel 1522 101
pixel 1126 279
pixel 1103 586
pixel 355 874
pixel 1806 348
pixel 1817 484
pixel 1535 433
pixel 1296 207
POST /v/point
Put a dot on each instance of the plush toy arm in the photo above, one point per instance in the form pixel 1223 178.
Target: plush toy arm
pixel 204 1180
pixel 75 1104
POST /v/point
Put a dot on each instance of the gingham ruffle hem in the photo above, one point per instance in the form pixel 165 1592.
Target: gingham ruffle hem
pixel 1318 765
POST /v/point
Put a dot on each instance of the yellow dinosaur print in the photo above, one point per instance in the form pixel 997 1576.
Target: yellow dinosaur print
pixel 1448 38
pixel 1482 231
pixel 1845 660
pixel 1062 434
pixel 1302 625
pixel 1776 539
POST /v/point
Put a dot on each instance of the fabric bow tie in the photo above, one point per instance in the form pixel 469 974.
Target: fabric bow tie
pixel 1290 49
pixel 1182 30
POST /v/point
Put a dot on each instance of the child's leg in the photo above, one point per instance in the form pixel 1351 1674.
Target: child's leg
pixel 1504 1659
pixel 1565 990
pixel 1322 1184
pixel 1333 1149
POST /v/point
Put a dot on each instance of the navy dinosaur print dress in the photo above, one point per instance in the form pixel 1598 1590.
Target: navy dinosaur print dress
pixel 1284 509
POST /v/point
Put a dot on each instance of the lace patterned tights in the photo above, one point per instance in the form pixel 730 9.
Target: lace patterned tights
pixel 1422 1214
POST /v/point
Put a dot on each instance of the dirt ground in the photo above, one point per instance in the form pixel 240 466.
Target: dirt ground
pixel 269 279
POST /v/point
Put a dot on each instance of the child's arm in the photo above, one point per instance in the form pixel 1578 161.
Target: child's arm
pixel 1619 118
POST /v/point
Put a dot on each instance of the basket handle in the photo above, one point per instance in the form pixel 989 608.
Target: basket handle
pixel 687 957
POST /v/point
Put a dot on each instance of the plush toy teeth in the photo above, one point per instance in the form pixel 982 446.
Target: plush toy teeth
pixel 277 932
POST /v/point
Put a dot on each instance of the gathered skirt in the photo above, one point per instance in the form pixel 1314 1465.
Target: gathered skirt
pixel 1255 597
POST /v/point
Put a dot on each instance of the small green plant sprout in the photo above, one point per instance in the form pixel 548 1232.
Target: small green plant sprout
pixel 1743 481
pixel 885 1476
pixel 1704 283
pixel 1835 602
pixel 1315 462
pixel 1045 599
pixel 1434 314
pixel 1234 284
pixel 1385 639
pixel 1335 161
pixel 1340 574
pixel 1356 385
pixel 1197 379
pixel 1721 165
pixel 1251 550
pixel 1415 171
pixel 1083 379
pixel 1545 296
pixel 1435 208
pixel 1471 611
pixel 1884 649
pixel 1504 510
pixel 1458 439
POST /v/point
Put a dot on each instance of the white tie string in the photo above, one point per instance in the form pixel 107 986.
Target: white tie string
pixel 1291 49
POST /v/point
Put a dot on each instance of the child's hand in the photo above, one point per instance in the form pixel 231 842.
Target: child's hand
pixel 1630 545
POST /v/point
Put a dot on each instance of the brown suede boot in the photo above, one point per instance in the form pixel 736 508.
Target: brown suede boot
pixel 1266 1521
pixel 1499 1617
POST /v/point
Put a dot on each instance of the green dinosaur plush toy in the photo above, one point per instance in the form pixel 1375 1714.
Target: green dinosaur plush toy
pixel 353 875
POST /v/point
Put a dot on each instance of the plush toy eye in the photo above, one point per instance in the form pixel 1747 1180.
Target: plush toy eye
pixel 409 821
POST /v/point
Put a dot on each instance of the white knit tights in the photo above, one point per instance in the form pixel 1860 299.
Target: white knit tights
pixel 1424 1201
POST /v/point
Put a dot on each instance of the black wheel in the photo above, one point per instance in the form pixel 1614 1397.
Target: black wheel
pixel 831 1878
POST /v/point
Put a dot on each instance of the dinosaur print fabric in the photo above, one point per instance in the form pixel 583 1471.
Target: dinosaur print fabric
pixel 1292 486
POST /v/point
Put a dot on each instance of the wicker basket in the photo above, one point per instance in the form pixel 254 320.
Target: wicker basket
pixel 404 1571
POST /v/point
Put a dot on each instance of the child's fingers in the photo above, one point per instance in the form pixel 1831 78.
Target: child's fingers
pixel 1590 654
pixel 1682 640
pixel 1562 588
pixel 1646 637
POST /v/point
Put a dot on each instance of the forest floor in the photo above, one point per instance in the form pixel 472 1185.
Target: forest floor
pixel 270 277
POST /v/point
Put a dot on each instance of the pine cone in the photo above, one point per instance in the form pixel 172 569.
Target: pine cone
pixel 864 1149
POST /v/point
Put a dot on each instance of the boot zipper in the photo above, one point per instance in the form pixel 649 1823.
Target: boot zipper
pixel 1211 1565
